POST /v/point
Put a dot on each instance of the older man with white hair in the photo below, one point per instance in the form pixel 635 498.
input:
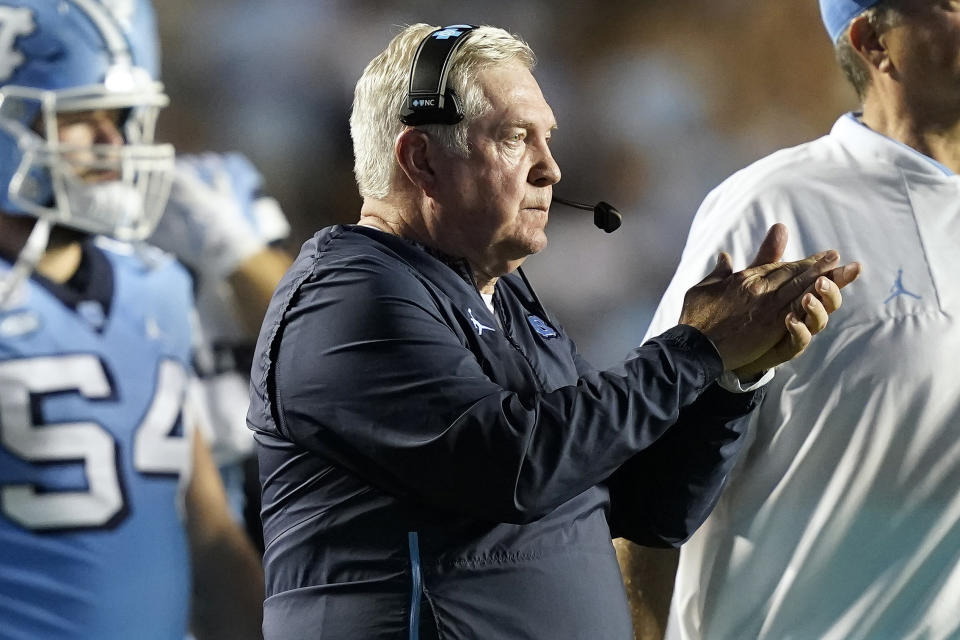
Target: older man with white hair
pixel 437 460
pixel 843 518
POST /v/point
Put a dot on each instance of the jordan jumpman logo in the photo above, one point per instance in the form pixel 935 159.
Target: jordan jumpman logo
pixel 898 289
pixel 478 325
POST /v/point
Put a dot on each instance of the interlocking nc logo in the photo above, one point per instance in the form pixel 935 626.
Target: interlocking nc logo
pixel 14 23
pixel 447 33
pixel 541 327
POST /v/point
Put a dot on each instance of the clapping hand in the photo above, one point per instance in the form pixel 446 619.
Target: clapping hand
pixel 768 313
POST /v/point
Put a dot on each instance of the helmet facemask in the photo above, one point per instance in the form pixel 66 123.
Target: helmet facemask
pixel 114 190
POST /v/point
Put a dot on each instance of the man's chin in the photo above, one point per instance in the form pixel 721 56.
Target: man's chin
pixel 537 244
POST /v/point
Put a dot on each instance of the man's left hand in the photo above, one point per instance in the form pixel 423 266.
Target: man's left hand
pixel 808 317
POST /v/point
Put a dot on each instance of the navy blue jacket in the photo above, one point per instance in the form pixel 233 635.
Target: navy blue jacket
pixel 432 471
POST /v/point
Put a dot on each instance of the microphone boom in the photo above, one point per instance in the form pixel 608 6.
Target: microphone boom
pixel 605 215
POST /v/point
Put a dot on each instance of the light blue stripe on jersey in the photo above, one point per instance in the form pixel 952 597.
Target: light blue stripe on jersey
pixel 416 586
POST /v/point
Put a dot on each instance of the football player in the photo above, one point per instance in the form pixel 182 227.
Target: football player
pixel 110 504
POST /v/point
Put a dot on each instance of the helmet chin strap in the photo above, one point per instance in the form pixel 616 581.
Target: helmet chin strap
pixel 26 262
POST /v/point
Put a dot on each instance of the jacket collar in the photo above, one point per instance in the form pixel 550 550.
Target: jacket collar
pixel 863 142
pixel 420 256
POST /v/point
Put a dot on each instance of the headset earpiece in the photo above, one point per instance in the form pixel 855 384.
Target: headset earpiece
pixel 428 99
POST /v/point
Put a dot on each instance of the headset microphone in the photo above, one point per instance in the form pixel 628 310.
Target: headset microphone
pixel 605 215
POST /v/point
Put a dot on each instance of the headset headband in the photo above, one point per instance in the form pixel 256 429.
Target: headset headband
pixel 428 99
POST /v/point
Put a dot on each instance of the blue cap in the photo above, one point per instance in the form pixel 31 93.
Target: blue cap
pixel 838 14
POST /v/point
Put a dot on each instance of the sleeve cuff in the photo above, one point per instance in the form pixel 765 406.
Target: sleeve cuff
pixel 699 348
pixel 730 382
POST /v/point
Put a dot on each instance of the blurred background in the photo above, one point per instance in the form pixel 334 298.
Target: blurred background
pixel 657 102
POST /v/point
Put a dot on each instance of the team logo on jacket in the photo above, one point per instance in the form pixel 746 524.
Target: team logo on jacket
pixel 541 327
pixel 479 326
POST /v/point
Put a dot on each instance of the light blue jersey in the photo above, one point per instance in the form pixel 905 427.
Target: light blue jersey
pixel 93 458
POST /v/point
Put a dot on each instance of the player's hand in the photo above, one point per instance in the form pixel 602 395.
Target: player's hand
pixel 213 220
pixel 750 315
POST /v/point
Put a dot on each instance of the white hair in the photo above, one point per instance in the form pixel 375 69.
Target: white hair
pixel 382 89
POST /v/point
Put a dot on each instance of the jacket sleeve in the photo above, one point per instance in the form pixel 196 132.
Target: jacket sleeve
pixel 369 374
pixel 689 466
pixel 662 495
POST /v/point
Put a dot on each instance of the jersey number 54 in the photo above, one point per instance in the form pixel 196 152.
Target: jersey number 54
pixel 156 450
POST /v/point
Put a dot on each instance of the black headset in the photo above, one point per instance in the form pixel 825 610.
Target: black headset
pixel 429 101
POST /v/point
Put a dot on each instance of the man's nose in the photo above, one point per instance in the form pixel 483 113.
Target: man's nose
pixel 107 131
pixel 546 171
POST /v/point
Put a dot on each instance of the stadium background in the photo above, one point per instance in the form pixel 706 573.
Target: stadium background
pixel 656 103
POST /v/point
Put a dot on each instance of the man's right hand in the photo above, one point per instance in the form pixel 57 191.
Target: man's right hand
pixel 766 314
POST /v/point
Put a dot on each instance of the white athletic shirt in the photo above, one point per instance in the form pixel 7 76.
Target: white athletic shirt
pixel 842 519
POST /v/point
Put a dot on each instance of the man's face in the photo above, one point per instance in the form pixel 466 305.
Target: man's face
pixel 104 188
pixel 924 48
pixel 493 205
pixel 81 130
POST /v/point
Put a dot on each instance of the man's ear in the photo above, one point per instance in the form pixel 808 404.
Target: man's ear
pixel 868 42
pixel 412 150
